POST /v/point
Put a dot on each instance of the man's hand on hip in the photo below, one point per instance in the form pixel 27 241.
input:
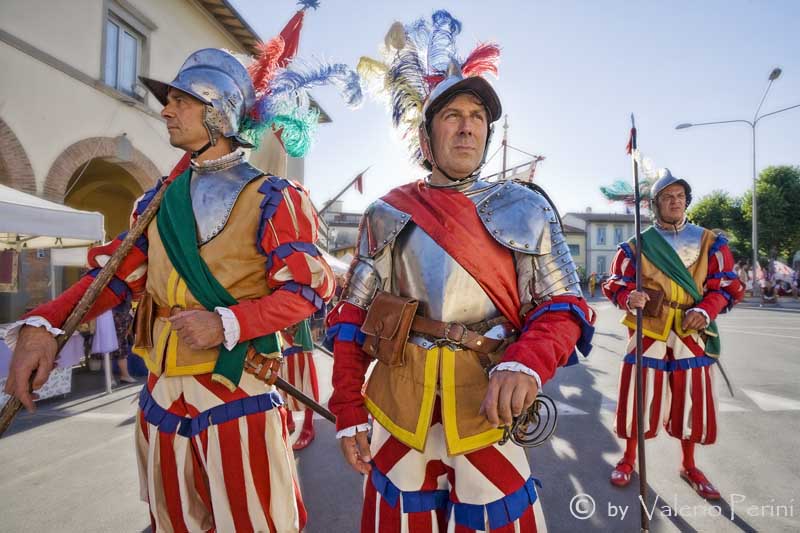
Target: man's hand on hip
pixel 356 452
pixel 509 395
pixel 35 353
pixel 200 330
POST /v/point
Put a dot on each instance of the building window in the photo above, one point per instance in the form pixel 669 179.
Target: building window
pixel 601 264
pixel 618 234
pixel 122 55
pixel 574 249
pixel 601 235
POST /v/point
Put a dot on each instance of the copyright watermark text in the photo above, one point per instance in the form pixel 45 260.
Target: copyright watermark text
pixel 583 506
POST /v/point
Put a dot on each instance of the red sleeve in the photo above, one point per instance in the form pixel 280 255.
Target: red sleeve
pixel 623 277
pixel 551 334
pixel 296 271
pixel 722 289
pixel 129 280
pixel 350 364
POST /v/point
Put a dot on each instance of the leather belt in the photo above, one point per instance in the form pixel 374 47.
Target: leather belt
pixel 677 305
pixel 166 312
pixel 456 333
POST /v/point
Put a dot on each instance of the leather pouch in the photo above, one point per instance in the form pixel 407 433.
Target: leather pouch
pixel 387 327
pixel 653 306
pixel 143 322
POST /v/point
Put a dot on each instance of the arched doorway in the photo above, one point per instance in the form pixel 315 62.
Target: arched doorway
pixel 106 188
pixel 15 168
pixel 101 174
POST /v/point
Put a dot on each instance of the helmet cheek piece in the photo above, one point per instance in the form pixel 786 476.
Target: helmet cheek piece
pixel 213 122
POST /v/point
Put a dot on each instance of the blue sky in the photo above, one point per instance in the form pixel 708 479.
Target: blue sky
pixel 571 72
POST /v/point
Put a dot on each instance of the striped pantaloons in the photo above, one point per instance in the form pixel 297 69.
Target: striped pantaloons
pixel 490 489
pixel 679 390
pixel 215 460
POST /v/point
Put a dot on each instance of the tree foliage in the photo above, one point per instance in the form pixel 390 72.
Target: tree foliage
pixel 778 189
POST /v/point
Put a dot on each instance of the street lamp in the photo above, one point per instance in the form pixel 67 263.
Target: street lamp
pixel 774 75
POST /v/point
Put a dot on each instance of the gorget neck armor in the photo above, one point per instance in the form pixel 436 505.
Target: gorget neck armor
pixel 685 239
pixel 216 184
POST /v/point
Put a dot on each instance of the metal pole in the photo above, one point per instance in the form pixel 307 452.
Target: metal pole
pixel 645 519
pixel 107 371
pixel 505 146
pixel 756 288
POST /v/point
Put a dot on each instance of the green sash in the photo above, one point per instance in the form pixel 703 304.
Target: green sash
pixel 663 256
pixel 176 226
pixel 303 337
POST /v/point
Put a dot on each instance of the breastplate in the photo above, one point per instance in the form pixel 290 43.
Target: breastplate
pixel 213 195
pixel 424 271
pixel 686 242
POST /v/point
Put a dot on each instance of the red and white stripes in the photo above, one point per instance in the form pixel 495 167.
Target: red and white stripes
pixel 435 492
pixel 237 475
pixel 683 400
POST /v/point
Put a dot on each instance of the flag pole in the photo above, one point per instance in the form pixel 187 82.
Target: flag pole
pixel 645 520
pixel 330 202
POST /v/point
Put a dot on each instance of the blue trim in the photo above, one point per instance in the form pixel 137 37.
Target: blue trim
pixel 725 294
pixel 719 242
pixel 141 243
pixel 726 274
pixel 147 198
pixel 344 331
pixel 271 189
pixel 671 366
pixel 292 350
pixel 117 286
pixel 285 250
pixel 306 292
pixel 628 251
pixel 501 512
pixel 584 344
pixel 167 422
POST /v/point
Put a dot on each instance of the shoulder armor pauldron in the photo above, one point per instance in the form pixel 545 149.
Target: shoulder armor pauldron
pixel 215 193
pixel 518 218
pixel 381 225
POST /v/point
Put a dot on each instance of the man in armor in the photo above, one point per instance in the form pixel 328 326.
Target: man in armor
pixel 210 438
pixel 687 280
pixel 466 294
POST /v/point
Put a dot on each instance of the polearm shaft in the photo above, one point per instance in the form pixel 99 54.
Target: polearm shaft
pixel 645 519
pixel 305 400
pixel 13 405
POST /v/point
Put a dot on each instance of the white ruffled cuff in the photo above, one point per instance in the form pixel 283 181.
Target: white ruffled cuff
pixel 12 333
pixel 352 430
pixel 517 367
pixel 230 326
pixel 702 312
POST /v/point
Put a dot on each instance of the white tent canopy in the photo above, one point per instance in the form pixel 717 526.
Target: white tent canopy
pixel 28 220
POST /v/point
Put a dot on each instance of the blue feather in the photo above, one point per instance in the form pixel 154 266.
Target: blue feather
pixel 292 80
pixel 442 45
pixel 305 4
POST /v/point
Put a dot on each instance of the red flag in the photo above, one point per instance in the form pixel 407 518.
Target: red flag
pixel 629 148
pixel 359 183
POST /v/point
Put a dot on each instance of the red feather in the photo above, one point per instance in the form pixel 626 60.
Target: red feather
pixel 263 68
pixel 483 59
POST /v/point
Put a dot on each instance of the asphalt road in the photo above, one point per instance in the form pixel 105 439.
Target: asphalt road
pixel 71 466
